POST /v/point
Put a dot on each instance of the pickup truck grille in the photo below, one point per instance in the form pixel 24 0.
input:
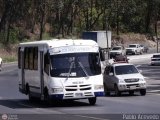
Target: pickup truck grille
pixel 131 80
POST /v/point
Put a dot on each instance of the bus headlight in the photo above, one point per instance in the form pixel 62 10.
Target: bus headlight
pixel 57 90
pixel 98 87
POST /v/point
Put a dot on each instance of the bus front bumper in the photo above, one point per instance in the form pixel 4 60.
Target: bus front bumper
pixel 76 95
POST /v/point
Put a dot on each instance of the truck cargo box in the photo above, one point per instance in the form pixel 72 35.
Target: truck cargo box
pixel 99 36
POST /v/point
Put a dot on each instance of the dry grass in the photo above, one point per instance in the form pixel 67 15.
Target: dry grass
pixel 126 39
pixel 8 53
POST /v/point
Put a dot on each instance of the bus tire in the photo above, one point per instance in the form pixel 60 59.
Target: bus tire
pixel 92 100
pixel 31 98
pixel 47 99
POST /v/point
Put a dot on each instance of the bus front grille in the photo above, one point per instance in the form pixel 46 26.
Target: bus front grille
pixel 78 87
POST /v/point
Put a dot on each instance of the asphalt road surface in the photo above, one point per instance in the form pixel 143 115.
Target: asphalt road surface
pixel 14 105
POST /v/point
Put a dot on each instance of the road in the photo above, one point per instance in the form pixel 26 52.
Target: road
pixel 17 106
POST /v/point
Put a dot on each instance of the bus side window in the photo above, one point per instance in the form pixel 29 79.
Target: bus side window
pixel 35 55
pixel 30 58
pixel 19 58
pixel 26 57
pixel 46 63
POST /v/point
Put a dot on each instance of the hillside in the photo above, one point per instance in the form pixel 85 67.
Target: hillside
pixel 9 53
pixel 131 38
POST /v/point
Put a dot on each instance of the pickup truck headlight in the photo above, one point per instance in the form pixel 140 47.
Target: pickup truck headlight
pixel 118 53
pixel 141 79
pixel 121 81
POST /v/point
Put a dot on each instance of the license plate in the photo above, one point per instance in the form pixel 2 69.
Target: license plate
pixel 132 87
pixel 78 94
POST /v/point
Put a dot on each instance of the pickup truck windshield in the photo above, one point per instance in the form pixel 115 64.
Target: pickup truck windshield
pixel 132 46
pixel 116 48
pixel 156 56
pixel 75 65
pixel 126 69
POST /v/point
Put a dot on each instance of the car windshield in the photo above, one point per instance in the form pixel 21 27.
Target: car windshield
pixel 125 69
pixel 133 46
pixel 156 56
pixel 116 48
pixel 75 65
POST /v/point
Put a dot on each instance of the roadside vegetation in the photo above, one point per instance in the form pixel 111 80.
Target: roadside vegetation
pixel 129 20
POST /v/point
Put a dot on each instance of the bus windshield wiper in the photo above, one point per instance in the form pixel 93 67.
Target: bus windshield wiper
pixel 70 69
pixel 84 70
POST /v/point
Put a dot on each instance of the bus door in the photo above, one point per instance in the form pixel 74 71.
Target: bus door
pixel 21 67
pixel 41 75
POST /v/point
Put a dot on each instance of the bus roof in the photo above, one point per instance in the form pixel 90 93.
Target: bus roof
pixel 60 42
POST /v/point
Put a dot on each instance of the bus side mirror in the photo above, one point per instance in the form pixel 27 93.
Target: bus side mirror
pixel 111 73
pixel 47 57
pixel 102 55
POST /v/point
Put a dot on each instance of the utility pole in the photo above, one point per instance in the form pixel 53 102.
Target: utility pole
pixel 157 38
pixel 157 44
pixel 107 38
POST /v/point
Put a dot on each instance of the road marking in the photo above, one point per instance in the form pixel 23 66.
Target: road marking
pixel 1 98
pixel 7 71
pixel 153 94
pixel 26 105
pixel 138 65
pixel 95 118
pixel 153 91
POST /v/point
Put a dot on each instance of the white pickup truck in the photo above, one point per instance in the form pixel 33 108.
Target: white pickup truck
pixel 134 49
pixel 117 50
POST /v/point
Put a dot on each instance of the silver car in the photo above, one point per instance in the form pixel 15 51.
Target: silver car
pixel 155 59
pixel 123 77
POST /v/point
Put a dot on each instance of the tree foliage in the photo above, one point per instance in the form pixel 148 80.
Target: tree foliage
pixel 61 18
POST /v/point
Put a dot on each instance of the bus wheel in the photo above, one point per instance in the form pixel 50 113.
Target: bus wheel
pixel 92 101
pixel 31 98
pixel 46 99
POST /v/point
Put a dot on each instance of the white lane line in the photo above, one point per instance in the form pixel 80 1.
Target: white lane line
pixel 7 71
pixel 94 118
pixel 138 65
pixel 26 105
pixel 153 94
pixel 151 91
pixel 1 98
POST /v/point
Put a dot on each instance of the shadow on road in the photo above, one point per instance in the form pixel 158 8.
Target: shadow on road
pixel 24 103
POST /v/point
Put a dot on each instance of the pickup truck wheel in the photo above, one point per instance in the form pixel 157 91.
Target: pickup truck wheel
pixel 143 92
pixel 117 92
pixel 131 92
pixel 92 101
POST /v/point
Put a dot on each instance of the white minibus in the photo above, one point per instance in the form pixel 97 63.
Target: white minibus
pixel 60 69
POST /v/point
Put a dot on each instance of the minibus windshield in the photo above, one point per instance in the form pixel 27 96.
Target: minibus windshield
pixel 75 65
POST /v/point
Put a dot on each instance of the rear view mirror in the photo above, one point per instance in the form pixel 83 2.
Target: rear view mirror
pixel 102 55
pixel 140 71
pixel 111 74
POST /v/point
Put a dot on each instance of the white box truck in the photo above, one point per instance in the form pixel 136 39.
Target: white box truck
pixel 100 37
